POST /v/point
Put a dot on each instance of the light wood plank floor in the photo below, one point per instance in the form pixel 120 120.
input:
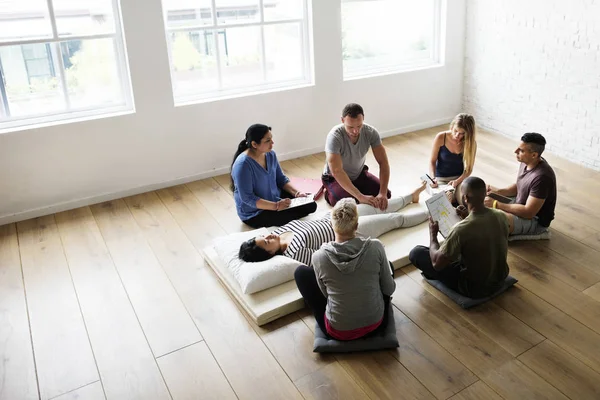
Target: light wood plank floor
pixel 114 301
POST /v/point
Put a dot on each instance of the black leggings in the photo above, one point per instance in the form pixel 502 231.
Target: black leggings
pixel 279 218
pixel 419 257
pixel 306 280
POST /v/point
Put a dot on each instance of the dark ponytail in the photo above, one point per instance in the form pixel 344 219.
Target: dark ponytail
pixel 254 134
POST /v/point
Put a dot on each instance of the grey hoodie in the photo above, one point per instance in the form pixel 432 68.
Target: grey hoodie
pixel 353 276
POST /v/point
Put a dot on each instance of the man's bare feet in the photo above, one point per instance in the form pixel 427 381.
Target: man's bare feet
pixel 417 192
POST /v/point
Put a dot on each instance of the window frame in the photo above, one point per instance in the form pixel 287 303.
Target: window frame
pixel 435 60
pixel 222 93
pixel 49 61
pixel 53 43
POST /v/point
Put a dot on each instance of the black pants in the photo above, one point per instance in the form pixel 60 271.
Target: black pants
pixel 450 276
pixel 279 218
pixel 306 280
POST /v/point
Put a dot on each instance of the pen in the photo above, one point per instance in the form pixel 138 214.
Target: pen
pixel 430 178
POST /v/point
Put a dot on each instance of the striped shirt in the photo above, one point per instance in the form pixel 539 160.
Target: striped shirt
pixel 308 238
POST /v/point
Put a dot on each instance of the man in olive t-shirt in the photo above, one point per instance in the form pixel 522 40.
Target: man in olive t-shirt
pixel 472 259
pixel 535 191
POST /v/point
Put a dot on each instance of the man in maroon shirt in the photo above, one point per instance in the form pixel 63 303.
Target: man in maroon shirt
pixel 532 209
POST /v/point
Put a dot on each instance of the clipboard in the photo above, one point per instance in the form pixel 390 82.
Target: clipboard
pixel 300 201
pixel 500 198
pixel 442 212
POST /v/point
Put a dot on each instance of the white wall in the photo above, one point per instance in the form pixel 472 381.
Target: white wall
pixel 535 66
pixel 60 167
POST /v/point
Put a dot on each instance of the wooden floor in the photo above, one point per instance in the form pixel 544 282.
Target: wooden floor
pixel 114 301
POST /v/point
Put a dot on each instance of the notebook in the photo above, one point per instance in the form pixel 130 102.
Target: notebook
pixel 442 212
pixel 440 189
pixel 435 190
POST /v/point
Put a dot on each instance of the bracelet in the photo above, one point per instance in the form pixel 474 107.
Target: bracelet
pixel 495 203
pixel 277 206
pixel 296 194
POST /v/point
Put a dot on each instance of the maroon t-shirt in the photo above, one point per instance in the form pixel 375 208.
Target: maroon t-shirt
pixel 539 182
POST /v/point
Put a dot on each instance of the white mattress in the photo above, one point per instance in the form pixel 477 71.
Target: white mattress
pixel 400 242
pixel 276 302
pixel 264 306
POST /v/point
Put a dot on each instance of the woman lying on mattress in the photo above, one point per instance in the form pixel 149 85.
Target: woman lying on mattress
pixel 300 239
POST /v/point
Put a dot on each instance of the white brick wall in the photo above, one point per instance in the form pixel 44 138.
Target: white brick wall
pixel 534 66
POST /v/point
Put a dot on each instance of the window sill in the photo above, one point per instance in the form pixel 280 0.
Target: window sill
pixel 69 118
pixel 234 94
pixel 392 71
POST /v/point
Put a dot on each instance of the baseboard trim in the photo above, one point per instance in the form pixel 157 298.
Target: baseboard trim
pixel 69 205
pixel 416 127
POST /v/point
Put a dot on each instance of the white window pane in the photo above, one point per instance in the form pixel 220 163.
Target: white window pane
pixel 187 13
pixel 31 83
pixel 91 73
pixel 237 11
pixel 241 63
pixel 24 19
pixel 384 34
pixel 83 17
pixel 193 62
pixel 283 51
pixel 254 45
pixel 276 10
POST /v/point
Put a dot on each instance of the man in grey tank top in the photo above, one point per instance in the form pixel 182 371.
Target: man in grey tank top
pixel 345 173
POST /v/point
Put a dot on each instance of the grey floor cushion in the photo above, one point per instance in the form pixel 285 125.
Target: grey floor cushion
pixel 542 236
pixel 467 302
pixel 386 340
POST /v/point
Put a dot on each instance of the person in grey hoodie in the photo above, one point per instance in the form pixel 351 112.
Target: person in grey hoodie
pixel 350 284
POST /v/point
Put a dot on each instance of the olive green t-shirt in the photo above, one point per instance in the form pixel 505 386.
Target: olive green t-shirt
pixel 480 244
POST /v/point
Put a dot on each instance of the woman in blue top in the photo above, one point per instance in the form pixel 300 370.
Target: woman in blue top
pixel 261 191
pixel 453 154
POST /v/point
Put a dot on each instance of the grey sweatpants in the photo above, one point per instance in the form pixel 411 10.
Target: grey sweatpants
pixel 372 222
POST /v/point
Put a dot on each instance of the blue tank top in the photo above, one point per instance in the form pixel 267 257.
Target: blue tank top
pixel 448 164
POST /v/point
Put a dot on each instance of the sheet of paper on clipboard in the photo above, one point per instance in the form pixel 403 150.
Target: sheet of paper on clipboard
pixel 300 201
pixel 442 212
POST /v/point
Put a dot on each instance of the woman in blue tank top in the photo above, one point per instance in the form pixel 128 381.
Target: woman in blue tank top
pixel 453 154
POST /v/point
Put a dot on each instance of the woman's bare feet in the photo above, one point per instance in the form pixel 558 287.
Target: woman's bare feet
pixel 417 192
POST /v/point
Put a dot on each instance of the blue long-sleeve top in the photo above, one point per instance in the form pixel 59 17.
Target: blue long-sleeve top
pixel 253 182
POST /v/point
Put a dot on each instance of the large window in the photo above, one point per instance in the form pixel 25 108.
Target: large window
pixel 380 36
pixel 60 59
pixel 220 48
